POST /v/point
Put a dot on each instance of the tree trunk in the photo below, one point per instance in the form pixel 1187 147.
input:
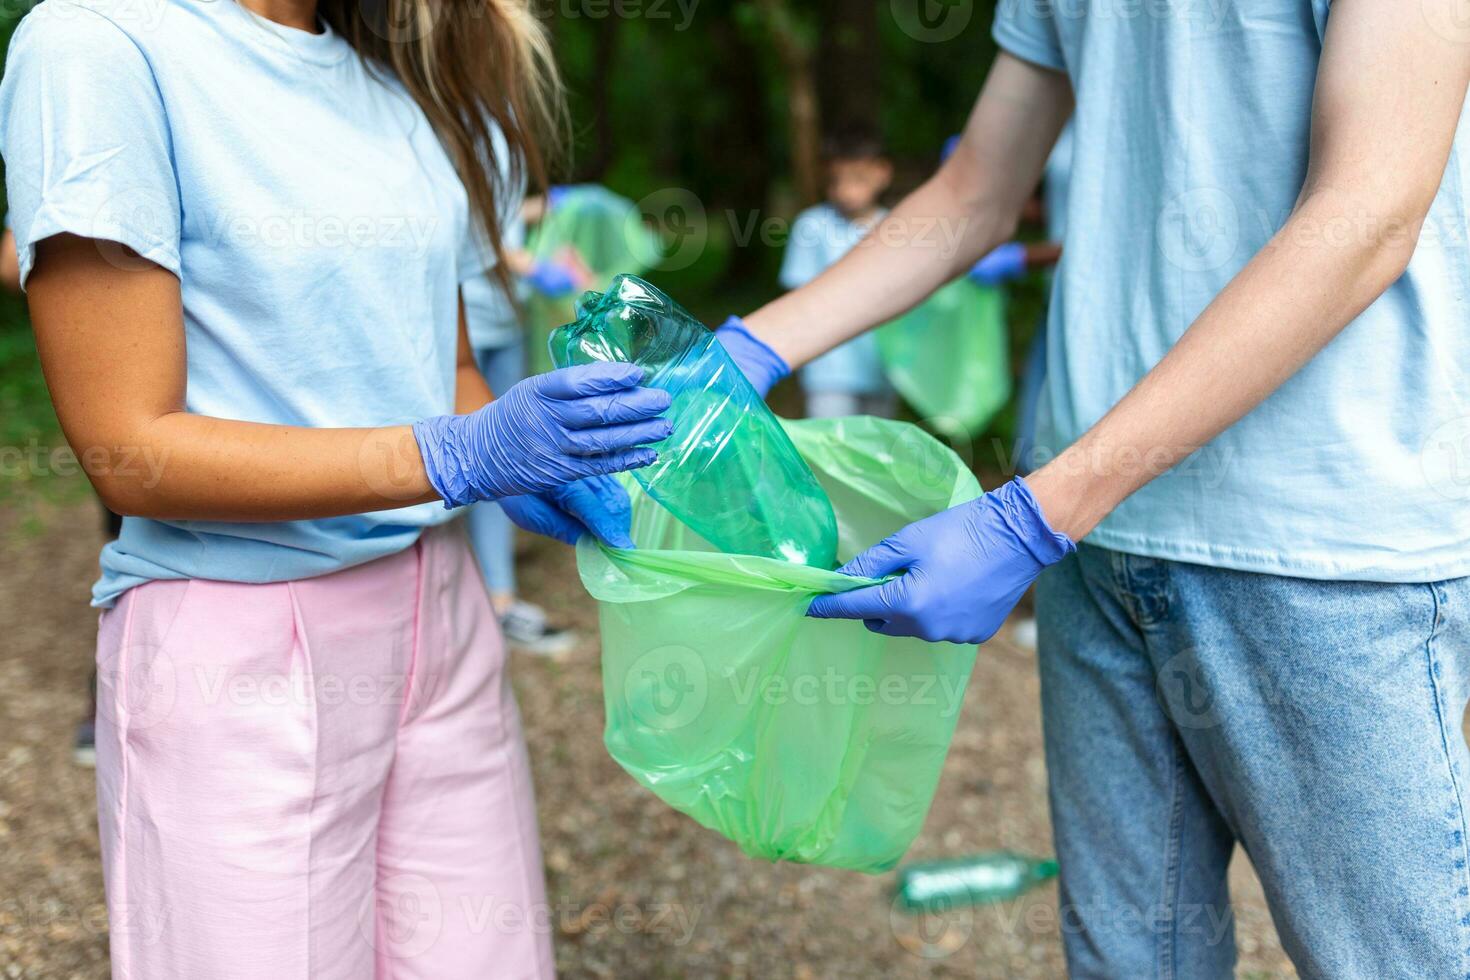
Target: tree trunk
pixel 604 138
pixel 804 126
pixel 848 58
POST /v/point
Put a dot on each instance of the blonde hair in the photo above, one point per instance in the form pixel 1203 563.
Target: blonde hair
pixel 472 66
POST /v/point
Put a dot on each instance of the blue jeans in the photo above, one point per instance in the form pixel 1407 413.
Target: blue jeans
pixel 491 533
pixel 1318 724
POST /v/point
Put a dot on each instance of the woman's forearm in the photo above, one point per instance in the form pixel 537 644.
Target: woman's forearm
pixel 192 467
pixel 111 341
pixel 182 466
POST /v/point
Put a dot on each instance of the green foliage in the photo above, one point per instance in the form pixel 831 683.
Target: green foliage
pixel 25 406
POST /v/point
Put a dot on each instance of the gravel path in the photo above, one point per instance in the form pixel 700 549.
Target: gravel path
pixel 638 890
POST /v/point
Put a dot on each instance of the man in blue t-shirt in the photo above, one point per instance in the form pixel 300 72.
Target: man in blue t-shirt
pixel 1256 420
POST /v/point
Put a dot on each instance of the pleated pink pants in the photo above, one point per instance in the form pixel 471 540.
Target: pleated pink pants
pixel 318 779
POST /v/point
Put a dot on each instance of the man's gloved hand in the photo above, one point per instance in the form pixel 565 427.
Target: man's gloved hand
pixel 546 431
pixel 551 279
pixel 1005 263
pixel 761 366
pixel 598 504
pixel 964 570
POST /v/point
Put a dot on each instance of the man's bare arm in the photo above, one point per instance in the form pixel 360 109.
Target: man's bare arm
pixel 968 207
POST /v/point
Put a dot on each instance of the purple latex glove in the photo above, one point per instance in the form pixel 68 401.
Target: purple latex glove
pixel 761 366
pixel 551 279
pixel 546 431
pixel 598 505
pixel 1005 263
pixel 964 570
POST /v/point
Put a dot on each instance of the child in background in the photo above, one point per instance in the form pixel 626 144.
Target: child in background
pixel 849 379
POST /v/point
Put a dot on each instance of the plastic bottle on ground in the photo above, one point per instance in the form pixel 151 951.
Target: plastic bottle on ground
pixel 989 877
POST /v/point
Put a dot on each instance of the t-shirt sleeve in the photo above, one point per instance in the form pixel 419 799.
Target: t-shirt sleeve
pixel 85 138
pixel 1028 30
pixel 803 259
pixel 476 254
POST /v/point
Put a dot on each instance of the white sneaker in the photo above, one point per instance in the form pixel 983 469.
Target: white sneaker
pixel 525 627
pixel 1023 634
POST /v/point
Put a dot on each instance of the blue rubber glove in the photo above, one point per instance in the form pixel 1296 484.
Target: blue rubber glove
pixel 1005 263
pixel 598 504
pixel 964 570
pixel 761 366
pixel 551 279
pixel 546 431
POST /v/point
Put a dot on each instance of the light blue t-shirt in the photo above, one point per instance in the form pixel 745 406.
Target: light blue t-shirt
pixel 819 237
pixel 1055 177
pixel 1191 137
pixel 317 227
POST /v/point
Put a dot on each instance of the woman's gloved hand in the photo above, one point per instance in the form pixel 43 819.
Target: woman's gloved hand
pixel 546 431
pixel 551 279
pixel 761 366
pixel 963 570
pixel 1004 263
pixel 598 505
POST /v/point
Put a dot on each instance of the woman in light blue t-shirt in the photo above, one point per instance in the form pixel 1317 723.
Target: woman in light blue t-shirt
pixel 243 229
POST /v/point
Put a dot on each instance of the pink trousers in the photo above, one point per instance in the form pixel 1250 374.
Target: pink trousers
pixel 318 779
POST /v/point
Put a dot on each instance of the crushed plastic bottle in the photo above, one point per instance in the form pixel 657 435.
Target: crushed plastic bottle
pixel 990 877
pixel 729 471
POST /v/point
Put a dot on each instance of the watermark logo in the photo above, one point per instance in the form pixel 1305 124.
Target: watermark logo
pixel 1198 231
pixel 679 12
pixel 676 232
pixel 932 21
pixel 142 213
pixel 924 467
pixel 931 934
pixel 400 21
pixel 1445 459
pixel 667 687
pixel 137 687
pixel 403 917
pixel 391 465
pixel 1450 19
pixel 1185 692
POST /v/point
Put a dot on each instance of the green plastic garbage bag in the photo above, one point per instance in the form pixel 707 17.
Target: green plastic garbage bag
pixel 799 739
pixel 949 358
pixel 608 232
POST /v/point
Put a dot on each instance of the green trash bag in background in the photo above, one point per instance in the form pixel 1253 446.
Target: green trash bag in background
pixel 608 232
pixel 799 739
pixel 949 358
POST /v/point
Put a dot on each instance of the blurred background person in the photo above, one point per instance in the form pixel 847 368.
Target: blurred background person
pixel 847 380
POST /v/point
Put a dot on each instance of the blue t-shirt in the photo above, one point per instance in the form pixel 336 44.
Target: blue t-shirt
pixel 1054 180
pixel 1191 137
pixel 819 237
pixel 315 222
